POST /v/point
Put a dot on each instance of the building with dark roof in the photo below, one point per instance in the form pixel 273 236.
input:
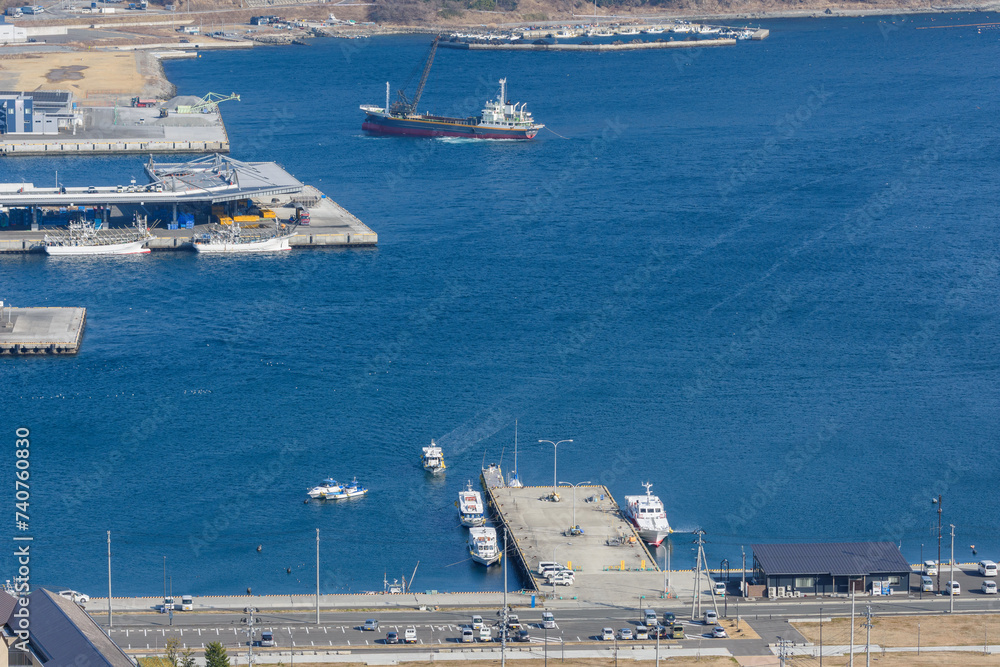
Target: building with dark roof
pixel 61 633
pixel 828 568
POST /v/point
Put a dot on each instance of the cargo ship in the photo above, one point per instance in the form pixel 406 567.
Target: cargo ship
pixel 500 119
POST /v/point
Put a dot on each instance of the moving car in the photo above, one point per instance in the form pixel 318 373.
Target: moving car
pixel 548 620
pixel 371 625
pixel 719 632
pixel 607 634
pixel 392 638
pixel 987 568
pixel 711 618
pixel 410 636
pixel 625 634
pixel 267 638
pixel 989 587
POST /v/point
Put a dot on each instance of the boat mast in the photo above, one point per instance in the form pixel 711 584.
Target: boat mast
pixel 515 449
pixel 387 97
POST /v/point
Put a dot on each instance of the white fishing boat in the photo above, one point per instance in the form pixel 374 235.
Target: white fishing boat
pixel 647 515
pixel 483 545
pixel 351 490
pixel 328 488
pixel 470 507
pixel 82 237
pixel 628 31
pixel 655 30
pixel 226 239
pixel 433 459
pixel 565 34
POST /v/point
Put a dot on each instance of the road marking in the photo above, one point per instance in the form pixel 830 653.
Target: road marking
pixel 343 630
pixel 217 631
pixel 578 638
pixel 326 630
pixel 313 643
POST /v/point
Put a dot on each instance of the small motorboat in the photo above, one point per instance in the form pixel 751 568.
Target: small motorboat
pixel 327 489
pixel 351 490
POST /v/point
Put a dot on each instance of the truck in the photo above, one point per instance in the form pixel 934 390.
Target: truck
pixel 13 11
pixel 32 9
pixel 143 102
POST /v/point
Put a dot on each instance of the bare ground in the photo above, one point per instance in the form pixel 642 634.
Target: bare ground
pixel 962 630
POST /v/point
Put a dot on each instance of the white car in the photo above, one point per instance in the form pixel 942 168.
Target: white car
pixel 987 568
pixel 477 622
pixel 410 636
pixel 952 588
pixel 930 568
pixel 607 634
pixel 989 587
pixel 485 634
pixel 563 579
pixel 76 597
pixel 719 588
pixel 548 620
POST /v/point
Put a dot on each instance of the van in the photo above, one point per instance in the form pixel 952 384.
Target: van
pixel 711 618
pixel 649 618
pixel 987 568
pixel 477 622
pixel 926 584
pixel 467 635
pixel 187 603
pixel 546 565
pixel 548 620
pixel 677 632
pixel 719 588
pixel 953 588
pixel 641 632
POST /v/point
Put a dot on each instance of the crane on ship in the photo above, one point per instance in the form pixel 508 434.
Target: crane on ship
pixel 403 106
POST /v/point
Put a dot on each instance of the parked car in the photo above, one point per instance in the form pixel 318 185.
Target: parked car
pixel 719 588
pixel 607 634
pixel 989 587
pixel 371 625
pixel 563 579
pixel 468 636
pixel 987 568
pixel 926 584
pixel 485 634
pixel 711 618
pixel 641 632
pixel 477 622
pixel 669 618
pixel 187 603
pixel 548 620
pixel 661 631
pixel 168 605
pixel 512 620
pixel 546 565
pixel 625 634
pixel 91 190
pixel 392 638
pixel 719 632
pixel 930 567
pixel 678 631
pixel 410 635
pixel 75 596
pixel 267 638
pixel 953 588
pixel 522 635
pixel 649 618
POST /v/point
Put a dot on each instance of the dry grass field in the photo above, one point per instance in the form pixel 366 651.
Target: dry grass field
pixel 86 73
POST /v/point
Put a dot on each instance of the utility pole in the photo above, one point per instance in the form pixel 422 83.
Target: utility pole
pixel 503 613
pixel 951 584
pixel 250 620
pixel 783 650
pixel 109 555
pixel 938 503
pixel 821 636
pixel 696 599
pixel 868 636
pixel 743 581
pixel 921 569
pixel 317 576
pixel 851 663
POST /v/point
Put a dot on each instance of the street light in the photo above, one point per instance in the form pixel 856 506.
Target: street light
pixel 574 496
pixel 937 501
pixel 555 449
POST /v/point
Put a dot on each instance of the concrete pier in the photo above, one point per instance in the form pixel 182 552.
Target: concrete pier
pixel 41 330
pixel 631 46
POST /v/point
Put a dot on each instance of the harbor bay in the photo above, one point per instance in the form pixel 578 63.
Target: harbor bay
pixel 761 278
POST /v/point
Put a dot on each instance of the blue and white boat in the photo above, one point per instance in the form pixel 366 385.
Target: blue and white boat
pixel 327 489
pixel 470 507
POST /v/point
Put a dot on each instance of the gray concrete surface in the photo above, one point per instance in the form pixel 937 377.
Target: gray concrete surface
pixel 41 330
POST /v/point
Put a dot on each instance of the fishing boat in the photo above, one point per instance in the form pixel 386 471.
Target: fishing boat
pixel 351 490
pixel 647 515
pixel 433 459
pixel 82 237
pixel 328 488
pixel 226 239
pixel 499 119
pixel 470 507
pixel 483 545
pixel 655 30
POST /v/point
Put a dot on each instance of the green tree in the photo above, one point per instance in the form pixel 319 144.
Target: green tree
pixel 215 655
pixel 172 645
pixel 187 658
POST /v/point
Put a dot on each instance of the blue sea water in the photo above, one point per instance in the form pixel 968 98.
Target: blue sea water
pixel 763 278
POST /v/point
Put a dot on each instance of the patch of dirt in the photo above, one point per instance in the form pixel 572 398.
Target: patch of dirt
pixel 70 73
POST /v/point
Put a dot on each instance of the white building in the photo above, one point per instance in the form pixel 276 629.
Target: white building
pixel 11 34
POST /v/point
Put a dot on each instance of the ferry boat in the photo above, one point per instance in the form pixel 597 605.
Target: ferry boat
pixel 647 515
pixel 83 238
pixel 470 507
pixel 233 239
pixel 328 488
pixel 483 545
pixel 500 119
pixel 433 459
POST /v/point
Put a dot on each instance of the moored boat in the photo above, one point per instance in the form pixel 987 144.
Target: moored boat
pixel 648 516
pixel 433 459
pixel 470 507
pixel 350 490
pixel 328 488
pixel 82 237
pixel 483 545
pixel 226 239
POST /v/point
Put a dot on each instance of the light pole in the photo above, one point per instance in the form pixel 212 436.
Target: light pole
pixel 164 579
pixel 951 585
pixel 937 501
pixel 574 496
pixel 555 451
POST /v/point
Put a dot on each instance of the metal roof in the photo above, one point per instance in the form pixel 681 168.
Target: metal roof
pixel 833 558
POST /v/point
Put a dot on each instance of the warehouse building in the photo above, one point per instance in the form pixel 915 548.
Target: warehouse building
pixel 792 570
pixel 11 34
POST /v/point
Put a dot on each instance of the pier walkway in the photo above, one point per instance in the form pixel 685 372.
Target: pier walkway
pixel 41 330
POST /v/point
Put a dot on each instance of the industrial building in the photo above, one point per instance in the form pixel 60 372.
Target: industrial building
pixel 792 570
pixel 11 34
pixel 35 112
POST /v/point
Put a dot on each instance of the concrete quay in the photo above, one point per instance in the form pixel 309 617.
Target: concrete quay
pixel 41 330
pixel 631 46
